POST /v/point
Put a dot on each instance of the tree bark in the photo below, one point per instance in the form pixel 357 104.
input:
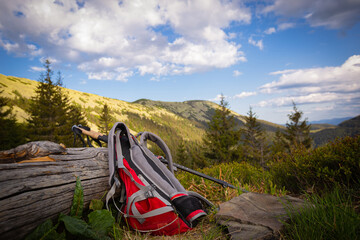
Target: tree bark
pixel 37 182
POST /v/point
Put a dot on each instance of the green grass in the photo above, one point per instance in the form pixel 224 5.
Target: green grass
pixel 331 216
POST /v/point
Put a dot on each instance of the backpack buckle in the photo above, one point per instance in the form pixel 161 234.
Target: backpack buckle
pixel 149 193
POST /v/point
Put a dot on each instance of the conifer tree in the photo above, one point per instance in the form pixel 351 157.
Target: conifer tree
pixel 221 139
pixel 50 110
pixel 254 139
pixel 11 132
pixel 297 132
pixel 197 157
pixel 106 119
pixel 182 156
pixel 278 144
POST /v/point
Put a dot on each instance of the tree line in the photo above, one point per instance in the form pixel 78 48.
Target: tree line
pixel 225 141
pixel 52 114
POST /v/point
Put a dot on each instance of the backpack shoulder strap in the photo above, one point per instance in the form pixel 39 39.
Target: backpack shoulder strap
pixel 162 145
pixel 114 154
pixel 113 162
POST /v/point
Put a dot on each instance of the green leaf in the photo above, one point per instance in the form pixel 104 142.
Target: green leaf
pixel 45 231
pixel 78 200
pixel 78 227
pixel 96 204
pixel 101 221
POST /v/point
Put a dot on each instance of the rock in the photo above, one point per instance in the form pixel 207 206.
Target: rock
pixel 256 216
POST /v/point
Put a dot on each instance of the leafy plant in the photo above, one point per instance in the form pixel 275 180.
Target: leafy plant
pixel 78 200
pixel 44 231
pixel 100 221
pixel 321 168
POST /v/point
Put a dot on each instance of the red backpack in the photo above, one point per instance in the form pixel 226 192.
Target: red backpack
pixel 151 198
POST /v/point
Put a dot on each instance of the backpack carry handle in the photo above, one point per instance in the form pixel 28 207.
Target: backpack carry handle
pixel 162 145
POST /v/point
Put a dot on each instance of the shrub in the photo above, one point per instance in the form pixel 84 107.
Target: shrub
pixel 242 175
pixel 337 162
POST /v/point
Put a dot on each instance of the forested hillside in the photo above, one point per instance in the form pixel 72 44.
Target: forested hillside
pixel 349 127
pixel 249 153
pixel 173 121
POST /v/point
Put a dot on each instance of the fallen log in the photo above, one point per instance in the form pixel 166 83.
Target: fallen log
pixel 37 182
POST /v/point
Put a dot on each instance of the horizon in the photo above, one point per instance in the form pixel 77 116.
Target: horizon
pixel 263 54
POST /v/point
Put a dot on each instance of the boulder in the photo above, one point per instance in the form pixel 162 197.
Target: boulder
pixel 257 216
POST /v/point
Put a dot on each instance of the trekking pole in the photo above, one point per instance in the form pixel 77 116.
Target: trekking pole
pixel 104 138
pixel 96 136
pixel 186 169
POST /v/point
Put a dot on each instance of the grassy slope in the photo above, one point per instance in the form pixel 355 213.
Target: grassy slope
pixel 138 117
pixel 190 116
pixel 173 119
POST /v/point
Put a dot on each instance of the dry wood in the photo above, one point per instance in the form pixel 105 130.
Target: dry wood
pixel 33 190
pixel 31 150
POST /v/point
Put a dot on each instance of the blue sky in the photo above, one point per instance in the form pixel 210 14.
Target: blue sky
pixel 264 54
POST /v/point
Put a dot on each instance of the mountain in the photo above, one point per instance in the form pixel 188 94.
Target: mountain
pixel 332 121
pixel 349 127
pixel 193 113
pixel 351 123
pixel 172 121
pixel 201 112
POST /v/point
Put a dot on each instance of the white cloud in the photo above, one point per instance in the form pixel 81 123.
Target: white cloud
pixel 237 73
pixel 335 14
pixel 118 75
pixel 51 60
pixel 307 99
pixel 245 94
pixel 34 51
pixel 284 26
pixel 344 78
pixel 103 35
pixel 155 79
pixel 280 27
pixel 338 86
pixel 258 44
pixel 101 75
pixel 218 98
pixel 270 30
pixel 37 69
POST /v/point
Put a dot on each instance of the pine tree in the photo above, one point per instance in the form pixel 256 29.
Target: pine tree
pixel 106 119
pixel 278 145
pixel 197 157
pixel 11 132
pixel 254 141
pixel 42 111
pixel 50 110
pixel 297 132
pixel 221 139
pixel 182 156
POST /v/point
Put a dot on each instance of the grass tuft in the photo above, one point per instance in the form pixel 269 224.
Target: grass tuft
pixel 331 216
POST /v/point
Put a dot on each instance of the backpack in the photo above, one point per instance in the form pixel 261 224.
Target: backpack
pixel 150 198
